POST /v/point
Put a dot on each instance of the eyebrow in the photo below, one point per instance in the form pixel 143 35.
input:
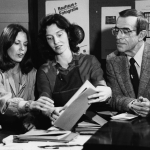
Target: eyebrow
pixel 122 28
pixel 17 40
pixel 56 32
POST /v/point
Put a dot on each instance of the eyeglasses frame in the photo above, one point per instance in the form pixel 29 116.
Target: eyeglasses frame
pixel 122 32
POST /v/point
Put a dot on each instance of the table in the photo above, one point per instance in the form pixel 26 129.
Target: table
pixel 133 134
pixel 5 133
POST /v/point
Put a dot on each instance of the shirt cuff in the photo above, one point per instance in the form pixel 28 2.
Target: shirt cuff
pixel 13 106
pixel 21 106
pixel 130 104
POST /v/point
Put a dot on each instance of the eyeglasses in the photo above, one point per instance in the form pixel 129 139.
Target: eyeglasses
pixel 124 31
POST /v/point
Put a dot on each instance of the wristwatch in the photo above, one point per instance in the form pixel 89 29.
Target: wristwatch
pixel 27 106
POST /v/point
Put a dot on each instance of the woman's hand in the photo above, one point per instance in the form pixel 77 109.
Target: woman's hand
pixel 56 113
pixel 102 94
pixel 45 104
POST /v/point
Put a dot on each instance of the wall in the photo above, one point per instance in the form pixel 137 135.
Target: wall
pixel 95 21
pixel 13 11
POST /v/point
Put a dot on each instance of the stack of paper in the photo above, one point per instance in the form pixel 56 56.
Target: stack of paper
pixel 87 127
pixel 45 135
pixel 90 126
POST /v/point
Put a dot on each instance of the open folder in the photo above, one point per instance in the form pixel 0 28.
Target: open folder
pixel 75 107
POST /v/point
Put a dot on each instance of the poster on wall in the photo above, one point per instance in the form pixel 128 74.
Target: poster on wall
pixel 76 11
pixel 108 21
pixel 144 6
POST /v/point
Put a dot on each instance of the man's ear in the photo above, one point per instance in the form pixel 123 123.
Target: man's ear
pixel 142 35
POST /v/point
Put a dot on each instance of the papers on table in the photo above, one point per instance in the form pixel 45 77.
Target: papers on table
pixel 75 144
pixel 124 116
pixel 87 127
pixel 95 117
pixel 45 135
pixel 109 113
pixel 90 126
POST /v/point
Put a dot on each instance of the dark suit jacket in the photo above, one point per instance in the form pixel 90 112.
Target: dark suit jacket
pixel 117 68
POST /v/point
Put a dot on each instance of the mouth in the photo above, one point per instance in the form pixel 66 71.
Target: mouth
pixel 58 47
pixel 20 55
pixel 118 43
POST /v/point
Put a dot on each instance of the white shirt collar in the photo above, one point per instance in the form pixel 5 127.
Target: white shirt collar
pixel 138 56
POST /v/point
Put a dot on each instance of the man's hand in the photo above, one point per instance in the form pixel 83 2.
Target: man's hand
pixel 141 106
pixel 102 94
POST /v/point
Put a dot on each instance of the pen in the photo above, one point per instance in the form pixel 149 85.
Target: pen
pixel 57 146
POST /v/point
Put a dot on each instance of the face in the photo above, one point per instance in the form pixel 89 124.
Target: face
pixel 127 44
pixel 19 48
pixel 57 39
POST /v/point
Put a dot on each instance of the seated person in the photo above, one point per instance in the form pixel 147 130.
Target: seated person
pixel 66 70
pixel 128 67
pixel 17 80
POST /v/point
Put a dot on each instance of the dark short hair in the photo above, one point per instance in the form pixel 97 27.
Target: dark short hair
pixel 7 38
pixel 142 23
pixel 75 34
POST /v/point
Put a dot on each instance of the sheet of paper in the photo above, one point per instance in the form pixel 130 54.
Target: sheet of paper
pixel 19 146
pixel 124 116
pixel 96 118
pixel 86 85
pixel 109 113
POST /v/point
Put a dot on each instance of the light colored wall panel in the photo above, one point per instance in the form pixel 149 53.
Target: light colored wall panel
pixel 13 6
pixel 13 18
pixel 13 11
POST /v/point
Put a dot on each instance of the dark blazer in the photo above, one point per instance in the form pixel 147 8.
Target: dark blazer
pixel 118 78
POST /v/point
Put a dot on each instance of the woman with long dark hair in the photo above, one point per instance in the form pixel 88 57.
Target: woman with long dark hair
pixel 17 79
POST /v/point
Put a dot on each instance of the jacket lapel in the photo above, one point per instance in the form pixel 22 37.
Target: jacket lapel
pixel 122 68
pixel 12 84
pixel 22 85
pixel 145 70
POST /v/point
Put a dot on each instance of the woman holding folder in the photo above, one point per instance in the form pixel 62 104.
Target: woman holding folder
pixel 66 70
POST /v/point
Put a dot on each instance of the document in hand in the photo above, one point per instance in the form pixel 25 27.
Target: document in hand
pixel 75 107
pixel 42 135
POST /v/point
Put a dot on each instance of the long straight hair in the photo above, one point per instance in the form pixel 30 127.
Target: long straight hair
pixel 7 39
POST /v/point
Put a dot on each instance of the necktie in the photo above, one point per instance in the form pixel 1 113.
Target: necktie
pixel 134 76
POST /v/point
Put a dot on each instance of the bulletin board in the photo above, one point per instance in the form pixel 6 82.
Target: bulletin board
pixel 76 11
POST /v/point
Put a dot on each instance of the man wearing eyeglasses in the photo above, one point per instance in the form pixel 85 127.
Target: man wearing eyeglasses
pixel 128 68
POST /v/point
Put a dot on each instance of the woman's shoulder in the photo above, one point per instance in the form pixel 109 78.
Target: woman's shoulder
pixel 46 66
pixel 33 72
pixel 86 57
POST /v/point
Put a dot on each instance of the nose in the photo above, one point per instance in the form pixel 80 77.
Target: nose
pixel 22 47
pixel 56 39
pixel 120 35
